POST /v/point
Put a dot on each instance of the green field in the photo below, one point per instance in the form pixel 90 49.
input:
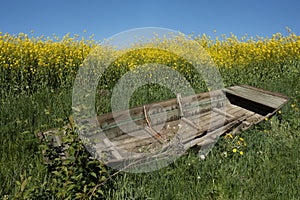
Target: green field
pixel 268 169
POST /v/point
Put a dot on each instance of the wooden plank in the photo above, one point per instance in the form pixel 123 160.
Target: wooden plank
pixel 142 134
pixel 269 98
pixel 179 104
pixel 128 140
pixel 221 112
pixel 112 148
pixel 256 96
pixel 190 123
pixel 259 97
pixel 206 117
pixel 150 130
pixel 137 138
pixel 240 111
pixel 138 111
pixel 133 146
pixel 210 126
pixel 266 91
pixel 266 101
pixel 214 134
pixel 260 92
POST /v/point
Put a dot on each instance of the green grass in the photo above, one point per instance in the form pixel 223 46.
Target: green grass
pixel 269 168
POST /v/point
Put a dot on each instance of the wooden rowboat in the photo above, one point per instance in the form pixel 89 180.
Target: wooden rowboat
pixel 194 120
pixel 159 129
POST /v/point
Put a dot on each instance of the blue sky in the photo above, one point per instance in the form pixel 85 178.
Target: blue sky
pixel 105 18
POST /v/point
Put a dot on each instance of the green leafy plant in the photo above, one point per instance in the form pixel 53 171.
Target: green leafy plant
pixel 74 174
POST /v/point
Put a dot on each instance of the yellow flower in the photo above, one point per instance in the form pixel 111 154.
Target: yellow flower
pixel 241 153
pixel 228 135
pixel 234 150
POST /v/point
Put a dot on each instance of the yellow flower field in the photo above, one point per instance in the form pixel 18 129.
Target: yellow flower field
pixel 54 61
pixel 30 53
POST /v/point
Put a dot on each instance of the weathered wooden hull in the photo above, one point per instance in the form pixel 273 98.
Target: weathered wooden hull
pixel 195 120
pixel 178 124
